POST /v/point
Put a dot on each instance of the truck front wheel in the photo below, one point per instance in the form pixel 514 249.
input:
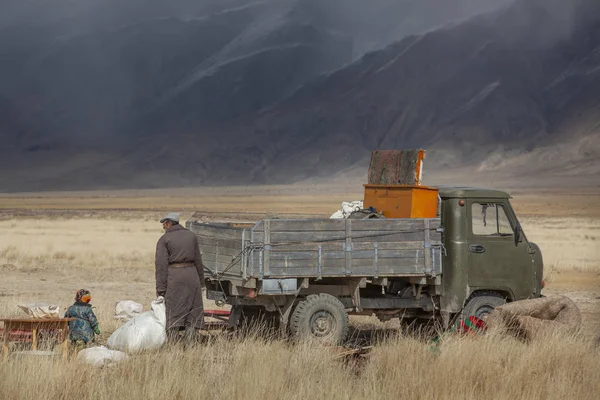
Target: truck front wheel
pixel 322 317
pixel 480 305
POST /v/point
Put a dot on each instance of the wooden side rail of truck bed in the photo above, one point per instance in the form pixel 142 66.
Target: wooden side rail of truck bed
pixel 321 248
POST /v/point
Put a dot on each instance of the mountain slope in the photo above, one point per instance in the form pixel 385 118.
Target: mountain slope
pixel 493 83
pixel 274 98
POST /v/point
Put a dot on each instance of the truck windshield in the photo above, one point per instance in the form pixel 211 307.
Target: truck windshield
pixel 489 219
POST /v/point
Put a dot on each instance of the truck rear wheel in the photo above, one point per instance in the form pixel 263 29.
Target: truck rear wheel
pixel 480 305
pixel 321 317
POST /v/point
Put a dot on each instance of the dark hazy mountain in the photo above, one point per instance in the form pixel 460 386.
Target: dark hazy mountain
pixel 184 93
pixel 517 80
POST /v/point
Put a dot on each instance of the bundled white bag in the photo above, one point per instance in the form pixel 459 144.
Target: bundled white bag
pixel 126 309
pixel 41 310
pixel 348 207
pixel 100 356
pixel 145 331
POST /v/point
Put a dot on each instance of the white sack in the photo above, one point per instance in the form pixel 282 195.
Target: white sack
pixel 348 207
pixel 100 356
pixel 41 310
pixel 126 309
pixel 144 331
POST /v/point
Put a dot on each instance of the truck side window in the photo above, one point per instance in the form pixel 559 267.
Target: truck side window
pixel 489 219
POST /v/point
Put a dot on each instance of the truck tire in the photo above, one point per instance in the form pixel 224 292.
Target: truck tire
pixel 321 317
pixel 481 304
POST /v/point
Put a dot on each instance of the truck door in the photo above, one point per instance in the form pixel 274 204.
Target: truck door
pixel 495 263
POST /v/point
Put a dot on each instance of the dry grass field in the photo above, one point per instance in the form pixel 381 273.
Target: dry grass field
pixel 51 245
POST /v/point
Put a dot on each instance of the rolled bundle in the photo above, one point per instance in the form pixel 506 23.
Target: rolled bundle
pixel 531 318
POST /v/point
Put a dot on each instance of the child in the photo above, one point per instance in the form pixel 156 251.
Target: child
pixel 85 327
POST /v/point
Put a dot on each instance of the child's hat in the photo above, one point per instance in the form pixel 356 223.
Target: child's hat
pixel 83 296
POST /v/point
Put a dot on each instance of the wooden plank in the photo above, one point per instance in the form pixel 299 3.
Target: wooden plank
pixel 218 232
pixel 388 258
pixel 258 237
pixel 437 258
pixel 294 255
pixel 335 237
pixel 376 260
pixel 359 267
pixel 390 262
pixel 312 236
pixel 332 272
pixel 221 258
pixel 293 271
pixel 341 274
pixel 364 254
pixel 370 254
pixel 267 250
pixel 211 254
pixel 428 256
pixel 198 227
pixel 219 250
pixel 379 234
pixel 295 264
pixel 389 270
pixel 303 225
pixel 280 239
pixel 348 245
pixel 285 247
pixel 387 224
pixel 313 263
pixel 384 224
pixel 339 246
pixel 375 236
pixel 212 241
pixel 393 224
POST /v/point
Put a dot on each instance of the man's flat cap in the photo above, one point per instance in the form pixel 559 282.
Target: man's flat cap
pixel 173 217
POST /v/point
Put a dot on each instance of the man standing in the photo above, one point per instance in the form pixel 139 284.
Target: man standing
pixel 179 278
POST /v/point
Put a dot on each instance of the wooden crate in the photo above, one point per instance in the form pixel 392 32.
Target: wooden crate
pixel 402 201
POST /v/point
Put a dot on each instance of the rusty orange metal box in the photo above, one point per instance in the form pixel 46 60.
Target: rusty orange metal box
pixel 402 201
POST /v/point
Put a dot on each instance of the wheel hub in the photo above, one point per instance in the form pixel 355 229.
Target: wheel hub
pixel 322 324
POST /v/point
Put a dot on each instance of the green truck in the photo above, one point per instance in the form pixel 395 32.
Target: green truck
pixel 311 274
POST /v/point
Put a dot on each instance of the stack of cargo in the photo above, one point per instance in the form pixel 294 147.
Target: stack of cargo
pixel 394 187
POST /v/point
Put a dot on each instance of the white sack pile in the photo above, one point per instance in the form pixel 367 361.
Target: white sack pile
pixel 348 207
pixel 143 332
pixel 100 356
pixel 126 309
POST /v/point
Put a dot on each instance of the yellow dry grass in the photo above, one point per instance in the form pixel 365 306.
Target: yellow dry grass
pixel 465 368
pixel 48 251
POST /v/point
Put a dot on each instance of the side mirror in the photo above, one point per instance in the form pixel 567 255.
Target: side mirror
pixel 518 234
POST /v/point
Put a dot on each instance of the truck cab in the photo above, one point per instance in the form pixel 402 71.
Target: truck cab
pixel 487 254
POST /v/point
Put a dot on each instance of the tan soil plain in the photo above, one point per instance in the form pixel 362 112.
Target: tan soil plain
pixel 53 244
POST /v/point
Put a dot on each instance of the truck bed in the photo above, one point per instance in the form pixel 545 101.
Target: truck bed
pixel 321 248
